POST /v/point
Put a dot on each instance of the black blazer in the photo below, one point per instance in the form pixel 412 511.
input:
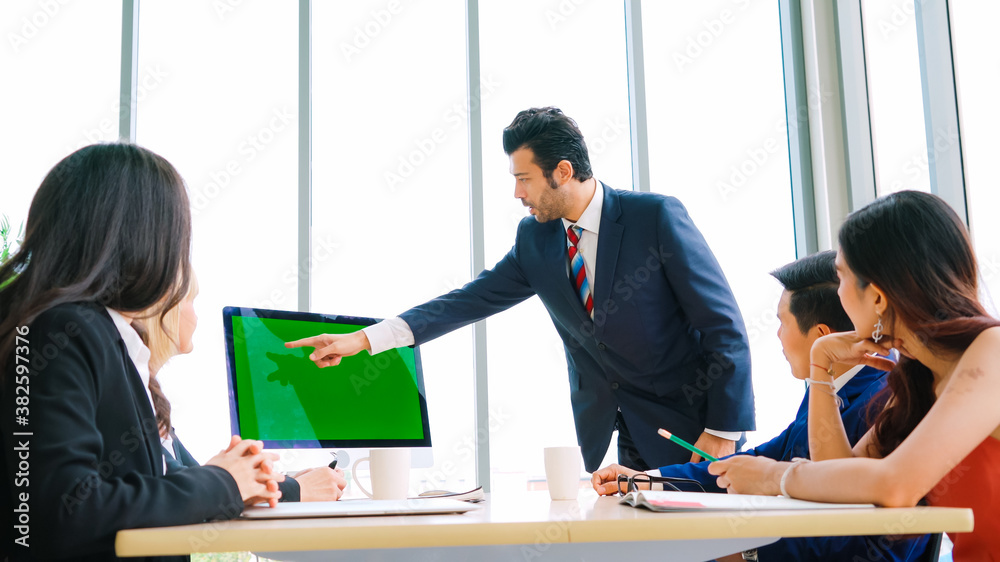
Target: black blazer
pixel 96 464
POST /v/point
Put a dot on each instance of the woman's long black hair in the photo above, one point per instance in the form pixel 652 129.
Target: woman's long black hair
pixel 913 247
pixel 110 224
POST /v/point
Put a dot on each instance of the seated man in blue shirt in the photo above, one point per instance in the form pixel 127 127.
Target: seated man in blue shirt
pixel 808 309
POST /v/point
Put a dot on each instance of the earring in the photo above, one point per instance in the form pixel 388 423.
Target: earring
pixel 877 334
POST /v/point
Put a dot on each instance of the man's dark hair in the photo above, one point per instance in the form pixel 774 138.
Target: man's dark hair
pixel 552 137
pixel 812 283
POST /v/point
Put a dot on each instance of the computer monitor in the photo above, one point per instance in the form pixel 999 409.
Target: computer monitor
pixel 279 396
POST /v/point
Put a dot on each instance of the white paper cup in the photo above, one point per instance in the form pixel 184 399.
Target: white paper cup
pixel 390 474
pixel 562 472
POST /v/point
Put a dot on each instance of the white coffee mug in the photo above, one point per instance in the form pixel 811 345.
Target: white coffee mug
pixel 390 473
pixel 562 472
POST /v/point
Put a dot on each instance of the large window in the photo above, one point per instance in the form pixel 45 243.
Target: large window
pixel 218 91
pixel 60 67
pixel 391 189
pixel 976 53
pixel 894 96
pixel 718 142
pixel 224 112
pixel 536 54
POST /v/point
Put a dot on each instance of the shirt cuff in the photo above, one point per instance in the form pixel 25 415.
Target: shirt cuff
pixel 389 334
pixel 655 487
pixel 730 435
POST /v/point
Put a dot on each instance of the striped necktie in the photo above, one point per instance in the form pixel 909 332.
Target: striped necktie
pixel 577 272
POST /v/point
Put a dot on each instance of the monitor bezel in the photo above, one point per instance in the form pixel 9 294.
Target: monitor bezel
pixel 360 321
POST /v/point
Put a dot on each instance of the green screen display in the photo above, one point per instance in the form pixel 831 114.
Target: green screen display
pixel 283 398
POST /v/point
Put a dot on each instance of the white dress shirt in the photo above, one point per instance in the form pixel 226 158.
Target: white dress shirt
pixel 168 444
pixel 590 222
pixel 394 332
pixel 137 350
pixel 840 381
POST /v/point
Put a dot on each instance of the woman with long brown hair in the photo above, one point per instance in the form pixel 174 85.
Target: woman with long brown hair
pixel 909 281
pixel 107 242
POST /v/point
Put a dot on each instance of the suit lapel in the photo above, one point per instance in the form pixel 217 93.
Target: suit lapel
pixel 608 247
pixel 140 401
pixel 557 260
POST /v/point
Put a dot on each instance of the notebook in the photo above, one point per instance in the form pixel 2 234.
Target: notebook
pixel 703 501
pixel 475 495
pixel 359 508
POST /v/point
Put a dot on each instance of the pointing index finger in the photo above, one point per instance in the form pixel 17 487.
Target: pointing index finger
pixel 304 342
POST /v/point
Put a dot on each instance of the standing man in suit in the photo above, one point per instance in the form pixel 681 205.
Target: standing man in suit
pixel 652 332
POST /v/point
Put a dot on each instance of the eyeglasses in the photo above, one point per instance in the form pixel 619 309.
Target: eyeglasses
pixel 642 481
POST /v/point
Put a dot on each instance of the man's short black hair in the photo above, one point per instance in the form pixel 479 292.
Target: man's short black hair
pixel 552 136
pixel 812 283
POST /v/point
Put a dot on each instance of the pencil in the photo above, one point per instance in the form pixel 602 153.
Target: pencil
pixel 686 445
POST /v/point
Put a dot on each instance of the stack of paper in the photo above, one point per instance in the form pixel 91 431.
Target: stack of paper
pixel 700 501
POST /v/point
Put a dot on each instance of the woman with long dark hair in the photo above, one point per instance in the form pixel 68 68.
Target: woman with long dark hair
pixel 909 281
pixel 107 242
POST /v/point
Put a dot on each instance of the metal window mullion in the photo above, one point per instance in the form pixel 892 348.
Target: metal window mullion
pixel 304 275
pixel 478 239
pixel 637 95
pixel 797 123
pixel 129 70
pixel 854 104
pixel 941 122
pixel 823 110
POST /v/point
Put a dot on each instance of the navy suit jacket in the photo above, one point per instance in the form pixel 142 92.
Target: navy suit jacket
pixel 95 462
pixel 667 344
pixel 857 396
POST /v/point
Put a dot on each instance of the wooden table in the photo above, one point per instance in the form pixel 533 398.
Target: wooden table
pixel 527 525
